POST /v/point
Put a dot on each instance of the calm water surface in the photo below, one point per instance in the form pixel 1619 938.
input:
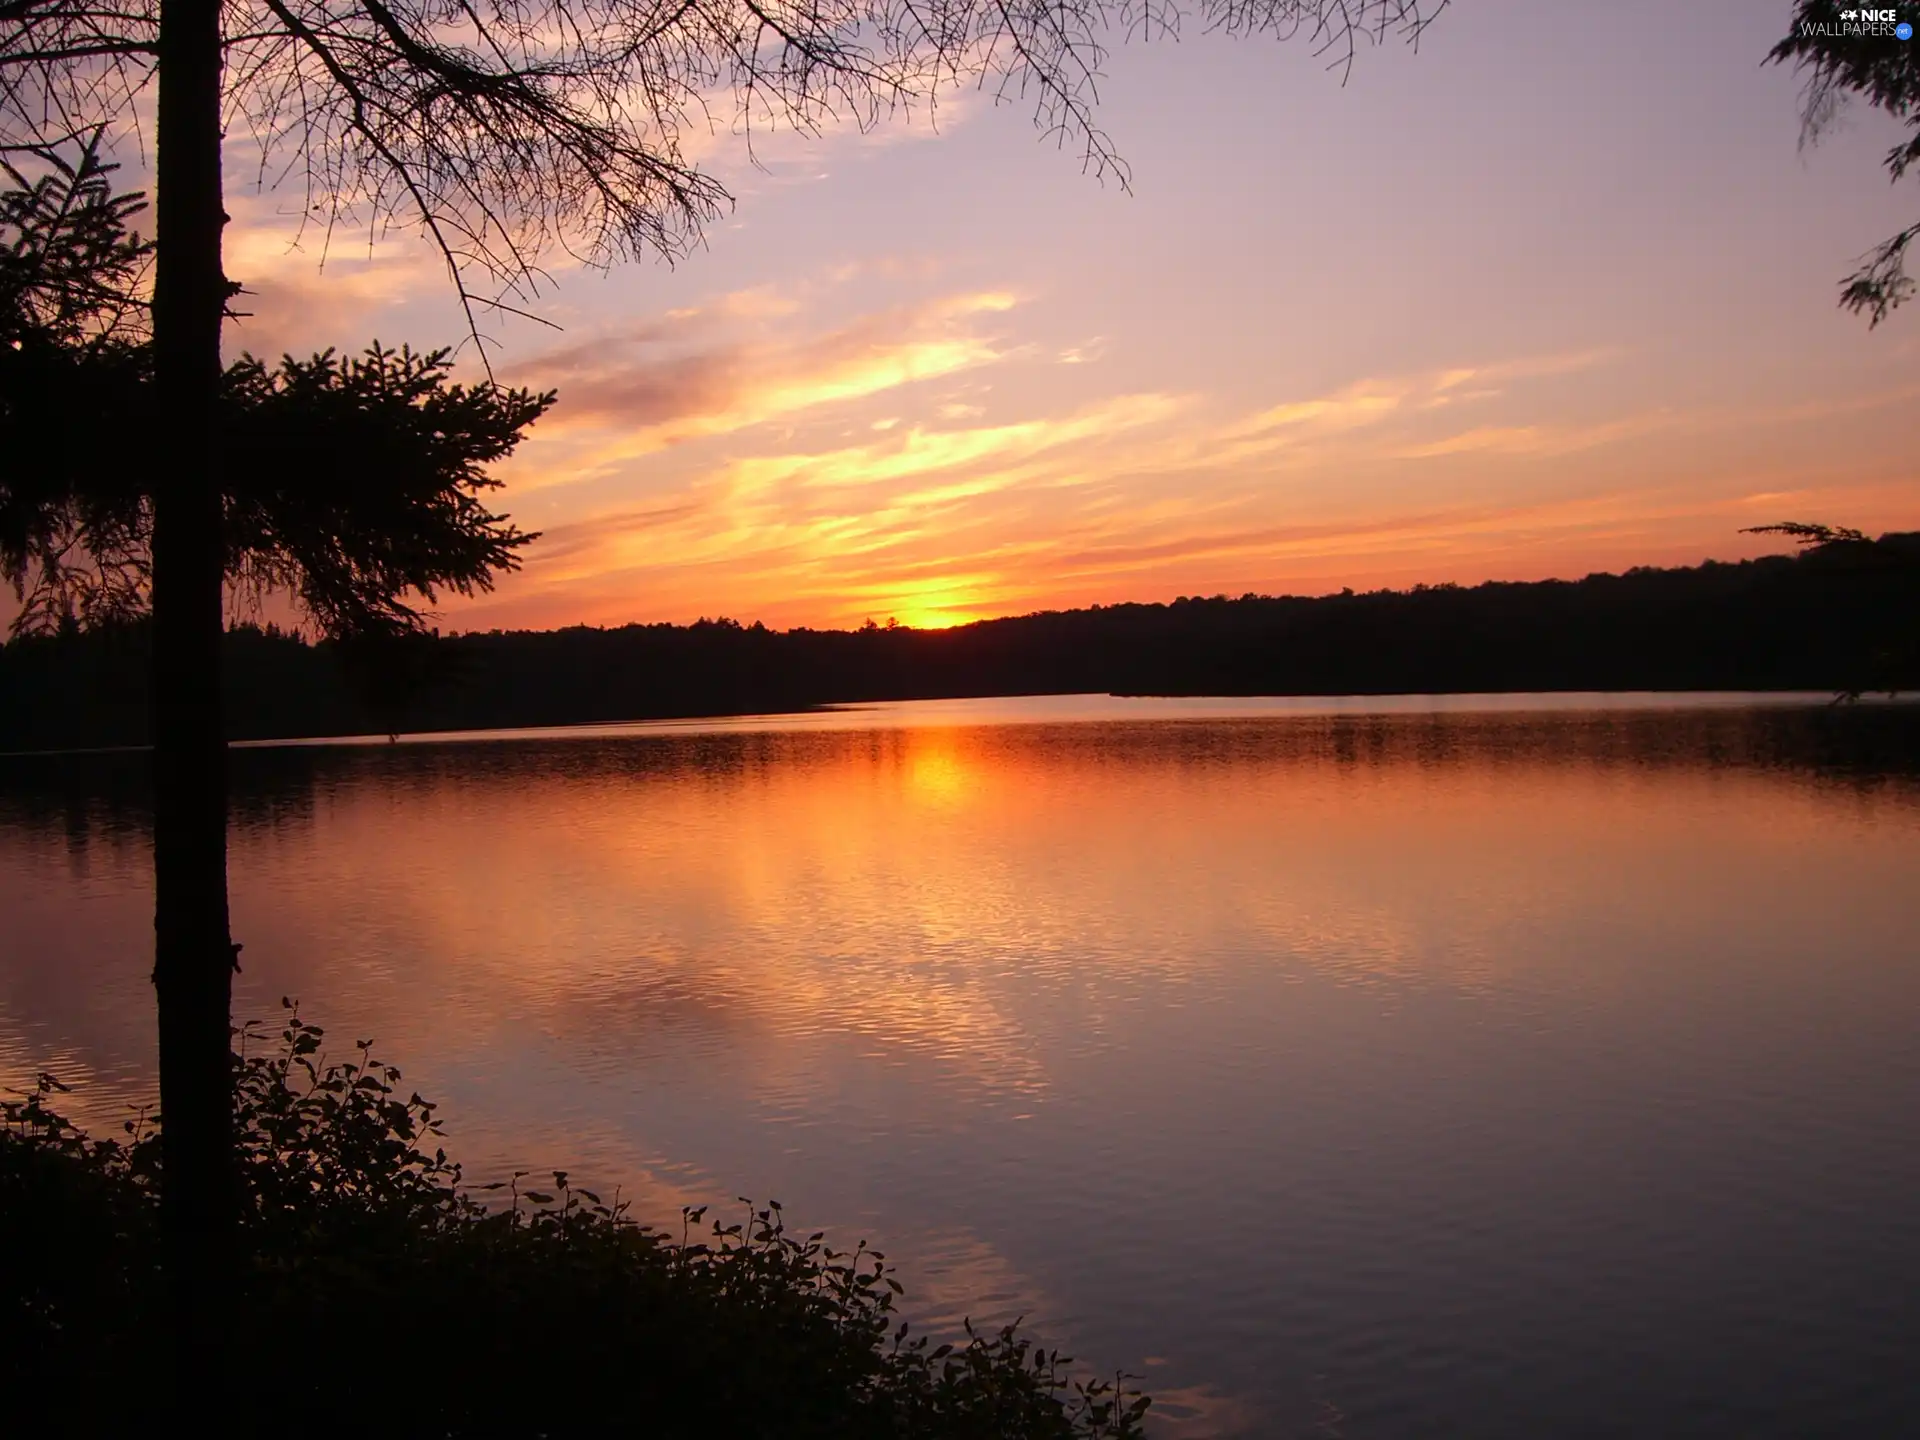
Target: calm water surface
pixel 1531 1067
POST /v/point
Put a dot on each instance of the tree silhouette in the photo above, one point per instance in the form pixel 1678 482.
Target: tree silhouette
pixel 73 349
pixel 1889 564
pixel 356 485
pixel 353 485
pixel 504 129
pixel 1839 61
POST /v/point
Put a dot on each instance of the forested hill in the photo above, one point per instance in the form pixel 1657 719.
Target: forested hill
pixel 1836 617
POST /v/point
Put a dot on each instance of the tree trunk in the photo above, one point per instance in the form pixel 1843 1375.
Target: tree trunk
pixel 193 956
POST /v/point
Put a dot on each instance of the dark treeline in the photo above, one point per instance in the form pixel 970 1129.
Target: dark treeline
pixel 1831 618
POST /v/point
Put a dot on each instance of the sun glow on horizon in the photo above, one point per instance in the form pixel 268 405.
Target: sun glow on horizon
pixel 937 614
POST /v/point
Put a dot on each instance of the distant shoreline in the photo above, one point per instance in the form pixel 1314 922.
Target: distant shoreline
pixel 1102 708
pixel 1786 624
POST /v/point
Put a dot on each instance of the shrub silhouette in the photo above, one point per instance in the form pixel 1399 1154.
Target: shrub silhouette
pixel 383 1290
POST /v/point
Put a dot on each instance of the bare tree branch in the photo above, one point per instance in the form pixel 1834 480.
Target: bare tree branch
pixel 504 130
pixel 1880 68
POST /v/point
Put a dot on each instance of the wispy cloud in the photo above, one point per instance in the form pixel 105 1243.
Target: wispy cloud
pixel 1535 441
pixel 630 393
pixel 307 289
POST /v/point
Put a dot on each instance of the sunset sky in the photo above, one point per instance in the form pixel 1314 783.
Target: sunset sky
pixel 1554 294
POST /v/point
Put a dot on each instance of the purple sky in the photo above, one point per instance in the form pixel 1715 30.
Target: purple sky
pixel 1554 294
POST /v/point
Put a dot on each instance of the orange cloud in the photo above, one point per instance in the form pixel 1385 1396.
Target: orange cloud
pixel 629 394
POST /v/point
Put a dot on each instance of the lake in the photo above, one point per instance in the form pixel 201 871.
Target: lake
pixel 1481 1066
